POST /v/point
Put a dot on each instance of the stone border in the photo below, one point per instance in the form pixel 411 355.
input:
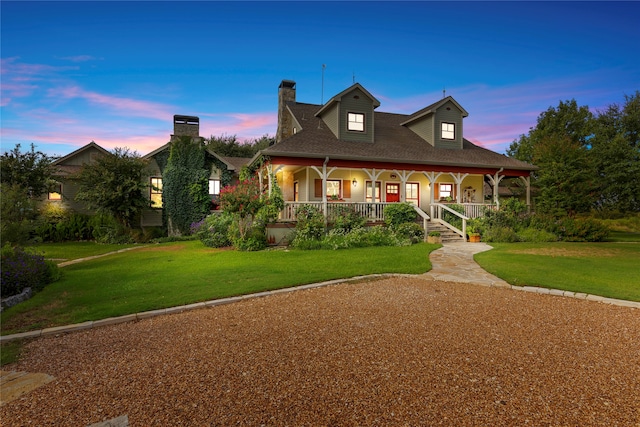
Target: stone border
pixel 15 299
pixel 212 303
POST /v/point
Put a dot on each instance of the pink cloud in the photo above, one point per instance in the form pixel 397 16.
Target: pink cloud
pixel 122 105
pixel 245 126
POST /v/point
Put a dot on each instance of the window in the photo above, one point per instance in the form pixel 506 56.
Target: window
pixel 448 131
pixel 156 192
pixel 377 198
pixel 56 193
pixel 355 122
pixel 214 187
pixel 333 188
pixel 412 193
pixel 446 191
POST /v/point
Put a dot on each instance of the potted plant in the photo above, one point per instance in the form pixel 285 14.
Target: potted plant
pixel 474 237
pixel 434 237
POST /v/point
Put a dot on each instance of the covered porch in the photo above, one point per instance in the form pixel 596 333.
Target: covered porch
pixel 368 188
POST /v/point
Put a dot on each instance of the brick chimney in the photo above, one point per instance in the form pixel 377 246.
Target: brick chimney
pixel 186 126
pixel 286 93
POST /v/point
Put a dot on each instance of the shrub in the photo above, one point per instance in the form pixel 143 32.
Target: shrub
pixel 22 269
pixel 399 213
pixel 106 229
pixel 411 231
pixel 536 236
pixel 500 234
pixel 346 219
pixel 310 226
pixel 213 231
pixel 583 230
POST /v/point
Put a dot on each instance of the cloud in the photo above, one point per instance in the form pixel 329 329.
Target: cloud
pixel 79 58
pixel 245 126
pixel 120 105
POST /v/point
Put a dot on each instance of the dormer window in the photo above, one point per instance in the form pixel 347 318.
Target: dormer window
pixel 355 122
pixel 448 130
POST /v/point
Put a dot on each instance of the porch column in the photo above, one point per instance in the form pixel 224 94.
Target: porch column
pixel 324 175
pixel 527 183
pixel 495 181
pixel 458 178
pixel 404 177
pixel 432 177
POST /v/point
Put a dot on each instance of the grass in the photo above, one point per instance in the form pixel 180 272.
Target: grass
pixel 10 352
pixel 171 274
pixel 75 250
pixel 605 269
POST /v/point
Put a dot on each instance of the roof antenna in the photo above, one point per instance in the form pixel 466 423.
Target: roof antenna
pixel 353 74
pixel 444 93
pixel 322 96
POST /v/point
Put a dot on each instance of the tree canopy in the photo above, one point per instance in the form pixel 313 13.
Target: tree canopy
pixel 228 145
pixel 114 184
pixel 31 170
pixel 587 161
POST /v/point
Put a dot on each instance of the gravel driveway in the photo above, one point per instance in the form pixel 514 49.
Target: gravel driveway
pixel 401 351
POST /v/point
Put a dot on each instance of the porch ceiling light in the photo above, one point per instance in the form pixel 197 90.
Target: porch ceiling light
pixel 354 182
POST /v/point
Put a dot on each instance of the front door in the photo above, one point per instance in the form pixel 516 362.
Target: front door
pixel 393 193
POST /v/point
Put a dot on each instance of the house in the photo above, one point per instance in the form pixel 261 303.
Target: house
pixel 223 171
pixel 347 152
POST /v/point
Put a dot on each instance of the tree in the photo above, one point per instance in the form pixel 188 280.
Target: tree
pixel 559 145
pixel 228 145
pixel 616 155
pixel 185 192
pixel 114 184
pixel 31 170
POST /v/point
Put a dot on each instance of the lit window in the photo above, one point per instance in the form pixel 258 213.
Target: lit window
pixel 56 193
pixel 214 187
pixel 156 192
pixel 333 188
pixel 377 198
pixel 355 122
pixel 448 131
pixel 446 191
pixel 412 193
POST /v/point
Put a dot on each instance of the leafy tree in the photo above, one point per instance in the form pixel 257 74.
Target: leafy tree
pixel 228 145
pixel 616 155
pixel 114 184
pixel 559 145
pixel 185 192
pixel 31 170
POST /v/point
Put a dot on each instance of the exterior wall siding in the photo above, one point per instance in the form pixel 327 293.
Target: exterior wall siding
pixel 331 119
pixel 424 129
pixel 363 104
pixel 448 113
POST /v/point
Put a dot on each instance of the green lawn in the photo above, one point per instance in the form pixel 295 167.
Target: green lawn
pixel 606 269
pixel 74 250
pixel 171 274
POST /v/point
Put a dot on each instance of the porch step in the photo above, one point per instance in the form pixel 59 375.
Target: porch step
pixel 446 234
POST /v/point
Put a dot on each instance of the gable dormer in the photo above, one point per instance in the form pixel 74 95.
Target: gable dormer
pixel 349 114
pixel 440 124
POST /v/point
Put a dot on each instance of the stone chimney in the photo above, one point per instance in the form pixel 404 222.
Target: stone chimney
pixel 186 126
pixel 286 93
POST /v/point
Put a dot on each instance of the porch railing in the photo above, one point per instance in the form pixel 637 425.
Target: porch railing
pixel 372 211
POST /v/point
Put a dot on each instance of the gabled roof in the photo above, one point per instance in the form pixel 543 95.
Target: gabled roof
pixel 393 143
pixel 339 96
pixel 232 163
pixel 431 109
pixel 80 151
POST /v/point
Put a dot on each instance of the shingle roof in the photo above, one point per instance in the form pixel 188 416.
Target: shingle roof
pixel 393 143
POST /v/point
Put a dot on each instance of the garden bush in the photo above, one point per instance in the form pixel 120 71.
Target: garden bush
pixel 452 218
pixel 310 227
pixel 22 269
pixel 213 231
pixel 347 218
pixel 536 236
pixel 411 231
pixel 399 213
pixel 500 234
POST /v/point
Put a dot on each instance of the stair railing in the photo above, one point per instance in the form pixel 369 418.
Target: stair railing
pixel 438 210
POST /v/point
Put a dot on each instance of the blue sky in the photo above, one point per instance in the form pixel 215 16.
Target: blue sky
pixel 116 72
